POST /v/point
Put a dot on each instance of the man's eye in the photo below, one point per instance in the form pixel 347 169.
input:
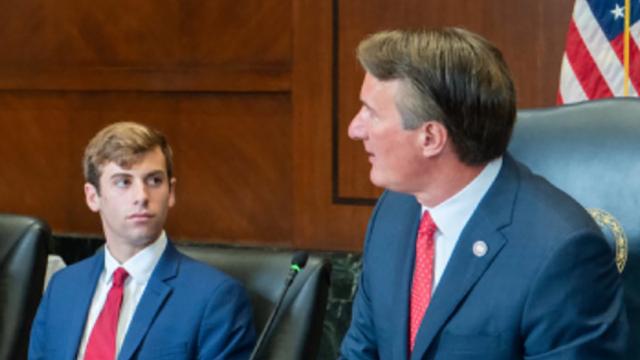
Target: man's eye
pixel 155 180
pixel 368 114
pixel 122 183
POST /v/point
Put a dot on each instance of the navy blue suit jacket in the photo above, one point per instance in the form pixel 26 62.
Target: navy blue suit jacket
pixel 187 311
pixel 547 287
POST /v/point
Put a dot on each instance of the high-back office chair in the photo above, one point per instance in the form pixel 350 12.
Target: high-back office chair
pixel 296 334
pixel 591 150
pixel 23 262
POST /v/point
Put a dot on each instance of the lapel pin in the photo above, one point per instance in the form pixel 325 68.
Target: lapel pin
pixel 480 248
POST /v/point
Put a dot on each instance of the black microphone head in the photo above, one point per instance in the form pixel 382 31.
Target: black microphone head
pixel 299 260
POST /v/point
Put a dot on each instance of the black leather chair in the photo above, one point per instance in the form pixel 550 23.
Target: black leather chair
pixel 297 331
pixel 23 262
pixel 591 150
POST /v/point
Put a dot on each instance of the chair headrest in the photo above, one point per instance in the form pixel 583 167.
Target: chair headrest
pixel 590 150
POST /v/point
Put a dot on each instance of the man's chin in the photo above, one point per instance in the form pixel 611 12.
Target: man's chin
pixel 387 184
pixel 376 180
pixel 144 237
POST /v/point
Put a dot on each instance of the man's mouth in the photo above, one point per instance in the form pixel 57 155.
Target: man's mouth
pixel 140 216
pixel 370 155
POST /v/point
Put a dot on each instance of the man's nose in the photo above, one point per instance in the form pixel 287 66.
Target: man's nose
pixel 357 130
pixel 141 193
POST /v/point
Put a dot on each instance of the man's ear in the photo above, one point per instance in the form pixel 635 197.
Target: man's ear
pixel 172 191
pixel 434 138
pixel 92 197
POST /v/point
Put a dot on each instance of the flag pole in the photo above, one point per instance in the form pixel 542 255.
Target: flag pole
pixel 627 20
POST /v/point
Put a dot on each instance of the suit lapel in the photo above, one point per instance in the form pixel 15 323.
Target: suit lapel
pixel 80 304
pixel 462 272
pixel 152 301
pixel 464 268
pixel 405 243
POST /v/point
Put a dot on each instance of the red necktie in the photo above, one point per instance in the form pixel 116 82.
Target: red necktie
pixel 422 275
pixel 102 341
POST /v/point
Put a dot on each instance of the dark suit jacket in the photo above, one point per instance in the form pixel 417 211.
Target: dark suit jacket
pixel 547 287
pixel 187 311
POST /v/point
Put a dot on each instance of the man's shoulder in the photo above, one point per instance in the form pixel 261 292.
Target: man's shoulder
pixel 68 282
pixel 192 270
pixel 78 269
pixel 536 193
pixel 541 207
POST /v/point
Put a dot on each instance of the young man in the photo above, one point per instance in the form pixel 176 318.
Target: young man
pixel 139 297
pixel 468 254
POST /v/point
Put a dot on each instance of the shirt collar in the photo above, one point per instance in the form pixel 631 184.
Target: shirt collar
pixel 452 215
pixel 141 265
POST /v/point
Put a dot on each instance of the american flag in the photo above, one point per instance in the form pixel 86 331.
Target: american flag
pixel 593 65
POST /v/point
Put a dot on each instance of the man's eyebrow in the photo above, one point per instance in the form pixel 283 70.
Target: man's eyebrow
pixel 155 172
pixel 128 175
pixel 119 175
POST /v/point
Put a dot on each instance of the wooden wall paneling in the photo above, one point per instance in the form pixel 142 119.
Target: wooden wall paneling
pixel 539 88
pixel 319 222
pixel 213 75
pixel 187 45
pixel 235 168
pixel 531 35
pixel 232 159
pixel 35 162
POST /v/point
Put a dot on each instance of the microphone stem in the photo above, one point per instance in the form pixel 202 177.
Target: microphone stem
pixel 269 324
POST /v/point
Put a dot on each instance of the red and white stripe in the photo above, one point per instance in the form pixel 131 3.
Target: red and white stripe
pixel 593 67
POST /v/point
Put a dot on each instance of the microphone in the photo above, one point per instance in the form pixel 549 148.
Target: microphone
pixel 298 262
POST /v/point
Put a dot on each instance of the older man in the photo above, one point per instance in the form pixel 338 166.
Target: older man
pixel 468 254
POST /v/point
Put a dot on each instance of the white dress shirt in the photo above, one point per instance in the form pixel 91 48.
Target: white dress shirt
pixel 452 215
pixel 139 267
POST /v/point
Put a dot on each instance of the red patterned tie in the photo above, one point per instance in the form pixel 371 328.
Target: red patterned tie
pixel 422 275
pixel 102 341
